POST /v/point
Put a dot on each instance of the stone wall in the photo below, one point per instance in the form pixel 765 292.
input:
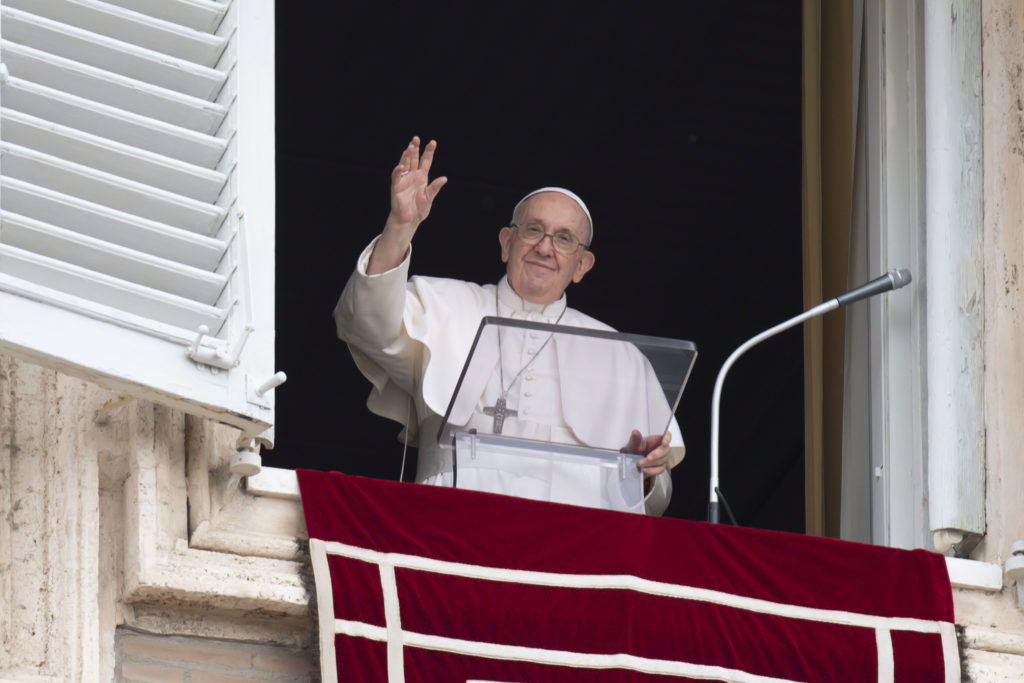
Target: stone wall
pixel 143 658
pixel 120 524
pixel 993 619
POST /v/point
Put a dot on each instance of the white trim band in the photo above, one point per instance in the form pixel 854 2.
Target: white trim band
pixel 634 583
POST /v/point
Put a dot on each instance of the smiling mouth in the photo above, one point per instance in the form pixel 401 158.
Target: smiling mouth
pixel 543 266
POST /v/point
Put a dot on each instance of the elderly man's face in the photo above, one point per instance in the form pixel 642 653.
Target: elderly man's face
pixel 538 272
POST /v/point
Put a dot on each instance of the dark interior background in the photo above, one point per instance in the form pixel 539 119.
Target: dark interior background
pixel 677 122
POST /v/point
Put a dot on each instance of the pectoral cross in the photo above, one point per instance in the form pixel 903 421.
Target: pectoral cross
pixel 499 411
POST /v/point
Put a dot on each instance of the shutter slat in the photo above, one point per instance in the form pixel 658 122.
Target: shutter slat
pixel 110 225
pixel 117 262
pixel 66 280
pixel 111 54
pixel 115 90
pixel 111 157
pixel 130 26
pixel 202 15
pixel 109 190
pixel 112 123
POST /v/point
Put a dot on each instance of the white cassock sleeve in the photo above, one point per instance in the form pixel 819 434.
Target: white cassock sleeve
pixel 409 338
pixel 368 317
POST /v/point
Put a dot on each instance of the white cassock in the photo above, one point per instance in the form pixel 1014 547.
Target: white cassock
pixel 411 337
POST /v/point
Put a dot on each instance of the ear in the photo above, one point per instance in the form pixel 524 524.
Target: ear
pixel 505 239
pixel 584 265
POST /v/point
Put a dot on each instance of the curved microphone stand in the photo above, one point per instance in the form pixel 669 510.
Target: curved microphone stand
pixel 894 279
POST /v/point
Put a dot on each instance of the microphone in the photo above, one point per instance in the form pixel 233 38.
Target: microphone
pixel 894 279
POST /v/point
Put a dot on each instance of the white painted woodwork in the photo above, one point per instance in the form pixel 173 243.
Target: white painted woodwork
pixel 114 293
pixel 111 54
pixel 110 122
pixel 111 226
pixel 137 179
pixel 115 90
pixel 112 157
pixel 67 246
pixel 202 15
pixel 132 27
pixel 898 322
pixel 955 301
pixel 884 498
pixel 117 192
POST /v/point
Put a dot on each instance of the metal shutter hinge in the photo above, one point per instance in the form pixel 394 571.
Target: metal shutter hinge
pixel 217 355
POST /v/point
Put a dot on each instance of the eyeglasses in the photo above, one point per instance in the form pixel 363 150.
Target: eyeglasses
pixel 564 241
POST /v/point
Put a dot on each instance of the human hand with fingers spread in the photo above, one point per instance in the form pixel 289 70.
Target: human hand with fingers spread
pixel 412 196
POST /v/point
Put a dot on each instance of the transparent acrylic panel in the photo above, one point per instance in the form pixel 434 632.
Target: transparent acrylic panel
pixel 563 474
pixel 539 390
pixel 567 385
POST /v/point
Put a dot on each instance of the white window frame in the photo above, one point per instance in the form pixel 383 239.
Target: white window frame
pixel 890 419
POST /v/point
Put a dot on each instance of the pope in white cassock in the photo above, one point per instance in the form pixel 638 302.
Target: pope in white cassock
pixel 410 336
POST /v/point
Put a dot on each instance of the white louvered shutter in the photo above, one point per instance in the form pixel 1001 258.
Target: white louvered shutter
pixel 137 197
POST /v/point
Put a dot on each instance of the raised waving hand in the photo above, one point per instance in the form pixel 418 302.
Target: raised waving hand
pixel 412 195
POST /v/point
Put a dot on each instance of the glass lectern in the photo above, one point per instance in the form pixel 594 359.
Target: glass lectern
pixel 546 411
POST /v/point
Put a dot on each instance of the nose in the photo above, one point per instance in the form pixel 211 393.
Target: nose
pixel 546 246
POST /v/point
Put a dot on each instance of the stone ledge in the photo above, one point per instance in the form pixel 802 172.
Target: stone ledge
pixel 991 667
pixel 207 537
pixel 990 640
pixel 974 575
pixel 189 576
pixel 274 482
pixel 240 627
